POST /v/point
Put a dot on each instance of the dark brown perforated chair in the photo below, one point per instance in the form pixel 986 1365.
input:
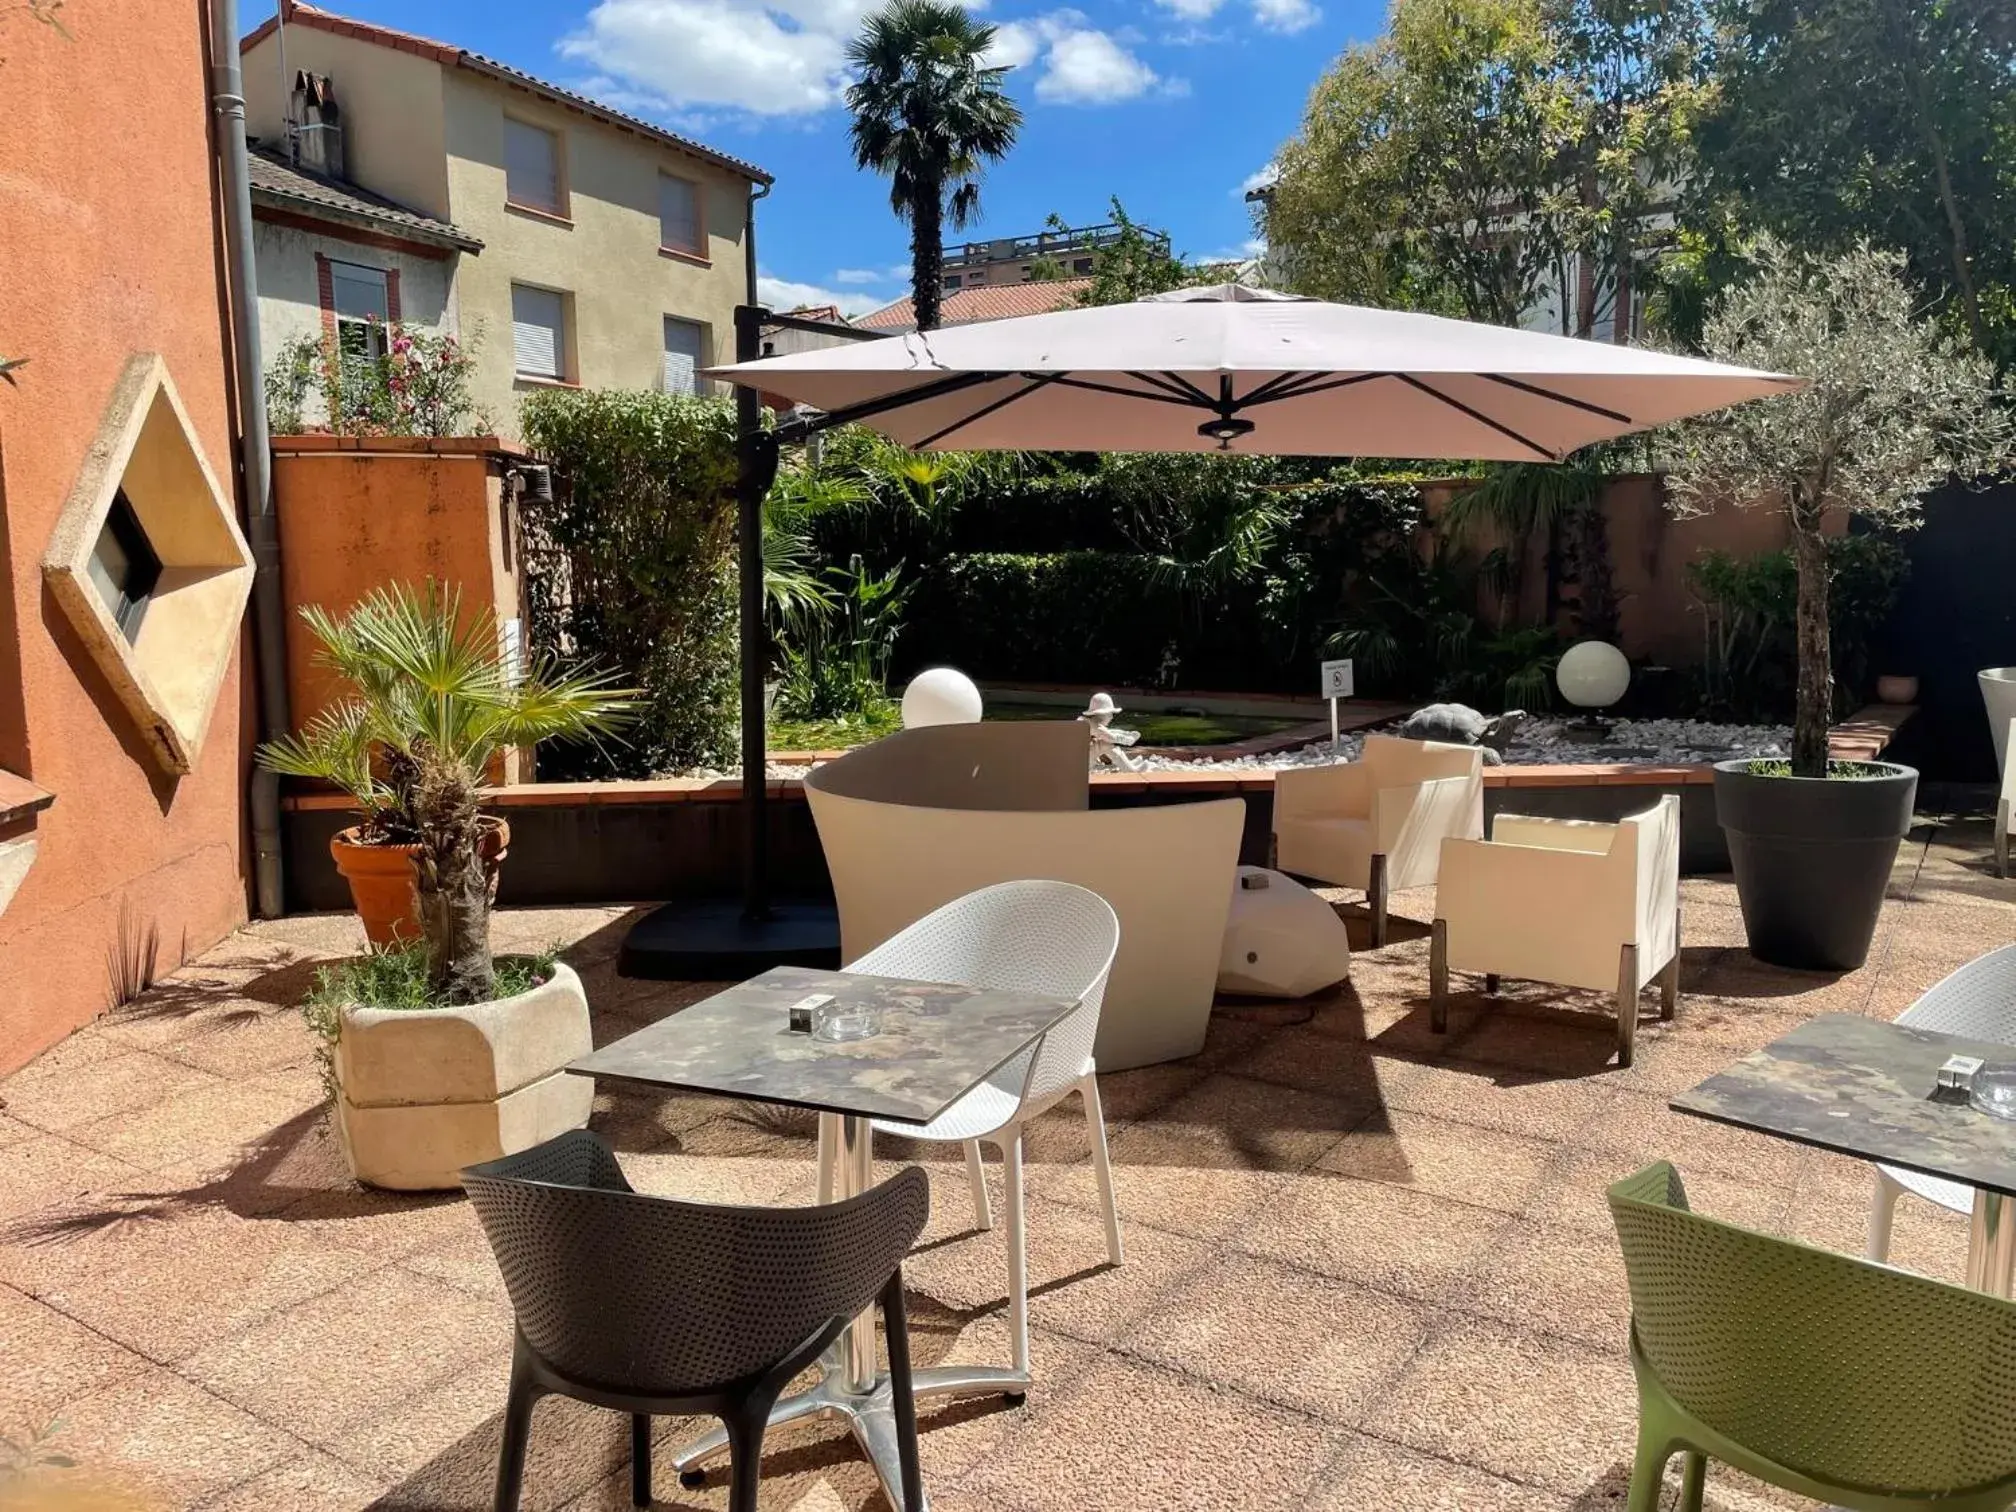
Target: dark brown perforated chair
pixel 651 1306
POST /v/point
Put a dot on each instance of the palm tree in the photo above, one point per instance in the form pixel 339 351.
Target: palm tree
pixel 434 701
pixel 928 112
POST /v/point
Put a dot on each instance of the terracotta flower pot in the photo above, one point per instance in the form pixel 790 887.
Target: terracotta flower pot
pixel 381 880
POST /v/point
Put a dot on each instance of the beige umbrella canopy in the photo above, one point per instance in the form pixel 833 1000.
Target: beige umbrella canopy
pixel 1228 368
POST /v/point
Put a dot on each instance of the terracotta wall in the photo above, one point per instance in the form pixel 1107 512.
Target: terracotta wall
pixel 109 245
pixel 358 513
pixel 1659 617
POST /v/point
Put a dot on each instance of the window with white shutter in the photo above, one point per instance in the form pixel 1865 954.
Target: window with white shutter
pixel 532 167
pixel 539 332
pixel 685 355
pixel 363 305
pixel 679 215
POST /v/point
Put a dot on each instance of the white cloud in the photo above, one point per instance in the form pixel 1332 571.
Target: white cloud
pixel 766 57
pixel 860 276
pixel 1191 10
pixel 1286 15
pixel 1016 44
pixel 1259 178
pixel 789 294
pixel 784 57
pixel 1081 65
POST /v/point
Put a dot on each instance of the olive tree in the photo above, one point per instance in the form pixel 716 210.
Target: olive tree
pixel 1892 407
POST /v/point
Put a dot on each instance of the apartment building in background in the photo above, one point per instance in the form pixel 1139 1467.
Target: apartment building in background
pixel 572 244
pixel 1016 259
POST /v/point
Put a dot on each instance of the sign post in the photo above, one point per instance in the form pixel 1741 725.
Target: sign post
pixel 1336 684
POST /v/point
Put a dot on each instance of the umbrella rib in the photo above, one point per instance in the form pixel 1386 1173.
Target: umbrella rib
pixel 1315 385
pixel 1540 393
pixel 1124 393
pixel 1478 415
pixel 883 404
pixel 1170 386
pixel 1267 390
pixel 1041 380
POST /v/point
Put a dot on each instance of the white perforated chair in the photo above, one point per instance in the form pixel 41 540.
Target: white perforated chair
pixel 1052 938
pixel 1976 1002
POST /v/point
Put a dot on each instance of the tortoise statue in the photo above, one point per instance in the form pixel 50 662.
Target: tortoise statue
pixel 1459 724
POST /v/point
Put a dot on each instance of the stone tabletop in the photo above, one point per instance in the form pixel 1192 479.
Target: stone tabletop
pixel 937 1042
pixel 1859 1086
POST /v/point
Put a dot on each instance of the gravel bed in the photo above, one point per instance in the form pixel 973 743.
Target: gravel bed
pixel 1543 742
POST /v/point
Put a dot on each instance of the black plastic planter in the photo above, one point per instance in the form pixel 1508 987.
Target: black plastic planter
pixel 1812 857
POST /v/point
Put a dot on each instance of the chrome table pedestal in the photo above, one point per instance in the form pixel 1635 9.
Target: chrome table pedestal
pixel 851 1386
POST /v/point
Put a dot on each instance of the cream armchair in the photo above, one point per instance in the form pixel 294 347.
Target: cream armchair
pixel 1564 900
pixel 1378 823
pixel 2005 809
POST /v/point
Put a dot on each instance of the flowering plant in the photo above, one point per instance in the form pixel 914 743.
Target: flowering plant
pixel 386 379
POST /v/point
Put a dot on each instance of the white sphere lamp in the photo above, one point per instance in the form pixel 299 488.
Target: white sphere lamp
pixel 940 696
pixel 1592 674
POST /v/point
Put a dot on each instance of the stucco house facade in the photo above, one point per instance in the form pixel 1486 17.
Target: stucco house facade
pixel 125 726
pixel 596 250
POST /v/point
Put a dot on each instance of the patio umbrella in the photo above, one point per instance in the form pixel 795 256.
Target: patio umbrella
pixel 1223 368
pixel 1229 368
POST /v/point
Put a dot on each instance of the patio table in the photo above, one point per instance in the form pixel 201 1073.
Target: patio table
pixel 937 1041
pixel 1862 1087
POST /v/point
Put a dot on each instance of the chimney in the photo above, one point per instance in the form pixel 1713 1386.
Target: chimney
pixel 316 128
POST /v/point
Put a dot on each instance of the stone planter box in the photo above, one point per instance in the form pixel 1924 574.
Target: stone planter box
pixel 425 1092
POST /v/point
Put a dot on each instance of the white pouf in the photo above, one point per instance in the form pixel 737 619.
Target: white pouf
pixel 1281 940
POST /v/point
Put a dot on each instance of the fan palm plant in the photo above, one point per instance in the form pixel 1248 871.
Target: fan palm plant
pixel 433 702
pixel 929 112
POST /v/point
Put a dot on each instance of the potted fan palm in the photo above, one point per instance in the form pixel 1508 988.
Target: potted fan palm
pixel 439 1054
pixel 1894 407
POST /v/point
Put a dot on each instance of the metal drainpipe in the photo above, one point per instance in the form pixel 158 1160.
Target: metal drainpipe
pixel 269 632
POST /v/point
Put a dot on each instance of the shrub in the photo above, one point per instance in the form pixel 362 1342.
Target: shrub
pixel 1748 622
pixel 631 565
pixel 420 387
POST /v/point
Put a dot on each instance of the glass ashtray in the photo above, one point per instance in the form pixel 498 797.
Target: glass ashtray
pixel 840 1022
pixel 1993 1090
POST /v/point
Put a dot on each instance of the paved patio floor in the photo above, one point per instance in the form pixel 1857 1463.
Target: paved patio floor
pixel 1368 1268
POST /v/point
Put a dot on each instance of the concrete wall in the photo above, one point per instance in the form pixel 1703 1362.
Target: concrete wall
pixel 393 127
pixel 107 254
pixel 1659 619
pixel 604 255
pixel 290 305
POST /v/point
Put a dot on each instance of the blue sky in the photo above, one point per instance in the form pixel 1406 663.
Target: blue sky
pixel 1174 105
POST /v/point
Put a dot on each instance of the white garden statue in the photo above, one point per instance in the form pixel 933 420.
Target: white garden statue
pixel 1108 744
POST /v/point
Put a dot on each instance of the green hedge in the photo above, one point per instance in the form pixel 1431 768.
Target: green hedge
pixel 1097 617
pixel 632 565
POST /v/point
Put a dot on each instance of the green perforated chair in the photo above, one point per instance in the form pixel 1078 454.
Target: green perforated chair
pixel 1835 1378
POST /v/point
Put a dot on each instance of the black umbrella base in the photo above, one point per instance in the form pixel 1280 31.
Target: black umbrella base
pixel 710 940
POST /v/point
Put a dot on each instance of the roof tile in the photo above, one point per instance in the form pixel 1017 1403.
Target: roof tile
pixel 969 306
pixel 277 182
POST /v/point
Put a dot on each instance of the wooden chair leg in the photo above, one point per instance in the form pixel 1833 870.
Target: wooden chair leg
pixel 518 1405
pixel 903 1400
pixel 1376 895
pixel 1438 976
pixel 1627 1003
pixel 1669 987
pixel 640 1460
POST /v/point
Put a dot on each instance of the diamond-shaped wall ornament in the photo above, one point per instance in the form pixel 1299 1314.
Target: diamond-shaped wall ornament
pixel 149 565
